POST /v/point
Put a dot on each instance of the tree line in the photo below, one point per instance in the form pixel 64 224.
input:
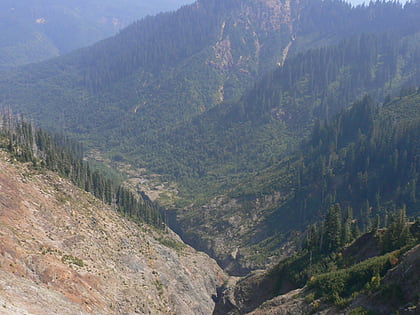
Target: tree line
pixel 339 228
pixel 60 154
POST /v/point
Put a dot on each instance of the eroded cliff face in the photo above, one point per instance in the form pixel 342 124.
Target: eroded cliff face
pixel 64 252
pixel 252 39
pixel 245 34
pixel 231 231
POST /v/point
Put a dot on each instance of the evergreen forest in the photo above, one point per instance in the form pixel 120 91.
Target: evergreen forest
pixel 281 127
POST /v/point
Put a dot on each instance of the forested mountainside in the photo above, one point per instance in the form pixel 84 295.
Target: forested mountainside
pixel 32 31
pixel 155 72
pixel 129 94
pixel 218 96
pixel 365 159
pixel 236 139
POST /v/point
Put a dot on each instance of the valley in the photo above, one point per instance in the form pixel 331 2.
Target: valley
pixel 274 136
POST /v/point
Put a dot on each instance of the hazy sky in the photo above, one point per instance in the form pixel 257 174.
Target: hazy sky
pixel 367 1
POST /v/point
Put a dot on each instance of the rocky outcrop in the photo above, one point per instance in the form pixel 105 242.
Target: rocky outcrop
pixel 64 252
pixel 244 295
pixel 398 293
pixel 294 302
pixel 365 247
pixel 227 229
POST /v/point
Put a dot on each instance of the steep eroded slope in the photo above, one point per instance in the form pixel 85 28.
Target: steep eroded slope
pixel 63 251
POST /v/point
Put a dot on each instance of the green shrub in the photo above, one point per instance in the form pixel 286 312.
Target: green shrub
pixel 171 243
pixel 310 298
pixel 360 311
pixel 340 284
pixel 69 259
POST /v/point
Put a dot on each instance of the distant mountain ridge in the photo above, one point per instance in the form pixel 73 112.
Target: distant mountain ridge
pixel 35 31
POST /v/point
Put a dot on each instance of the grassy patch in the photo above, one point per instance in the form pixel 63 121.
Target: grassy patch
pixel 49 250
pixel 69 259
pixel 171 243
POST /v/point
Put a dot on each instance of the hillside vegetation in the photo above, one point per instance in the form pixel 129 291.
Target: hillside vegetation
pixel 260 115
pixel 236 140
pixel 365 159
pixel 163 93
pixel 336 272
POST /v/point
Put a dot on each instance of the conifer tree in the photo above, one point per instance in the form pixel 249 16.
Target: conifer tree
pixel 346 235
pixel 332 229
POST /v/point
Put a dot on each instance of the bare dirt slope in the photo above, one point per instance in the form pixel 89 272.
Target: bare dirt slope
pixel 64 252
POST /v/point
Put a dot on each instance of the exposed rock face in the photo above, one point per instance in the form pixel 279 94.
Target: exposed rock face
pixel 227 228
pixel 291 303
pixel 244 295
pixel 252 39
pixel 64 252
pixel 240 296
